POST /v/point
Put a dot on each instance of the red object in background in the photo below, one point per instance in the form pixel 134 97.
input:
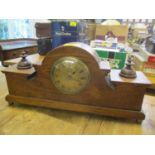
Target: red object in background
pixel 151 59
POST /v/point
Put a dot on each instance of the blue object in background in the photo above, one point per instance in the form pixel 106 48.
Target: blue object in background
pixel 64 32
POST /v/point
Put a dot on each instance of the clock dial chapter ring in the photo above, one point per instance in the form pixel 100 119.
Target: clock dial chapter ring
pixel 70 75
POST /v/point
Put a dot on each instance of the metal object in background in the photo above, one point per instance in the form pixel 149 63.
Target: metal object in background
pixel 150 44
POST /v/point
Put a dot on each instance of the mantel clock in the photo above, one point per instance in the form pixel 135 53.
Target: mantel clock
pixel 72 77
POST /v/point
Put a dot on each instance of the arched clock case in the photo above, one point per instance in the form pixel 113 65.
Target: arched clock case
pixel 71 77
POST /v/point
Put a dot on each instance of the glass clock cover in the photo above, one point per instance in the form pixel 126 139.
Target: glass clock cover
pixel 70 75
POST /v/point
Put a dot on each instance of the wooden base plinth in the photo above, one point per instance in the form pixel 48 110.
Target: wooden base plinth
pixel 120 113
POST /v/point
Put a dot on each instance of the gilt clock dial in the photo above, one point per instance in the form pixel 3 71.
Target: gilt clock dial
pixel 70 75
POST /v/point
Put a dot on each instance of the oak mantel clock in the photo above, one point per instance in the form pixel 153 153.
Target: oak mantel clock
pixel 71 77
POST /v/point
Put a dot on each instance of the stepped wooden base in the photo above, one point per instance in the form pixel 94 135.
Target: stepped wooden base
pixel 120 113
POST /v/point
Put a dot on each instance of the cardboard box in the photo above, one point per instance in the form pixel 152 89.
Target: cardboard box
pixel 146 67
pixel 120 31
pixel 105 45
pixel 90 31
pixel 65 32
pixel 116 59
pixel 43 30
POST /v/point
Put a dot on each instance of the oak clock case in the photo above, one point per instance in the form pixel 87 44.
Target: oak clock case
pixel 70 78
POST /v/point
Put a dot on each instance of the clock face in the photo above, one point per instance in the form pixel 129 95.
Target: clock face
pixel 70 75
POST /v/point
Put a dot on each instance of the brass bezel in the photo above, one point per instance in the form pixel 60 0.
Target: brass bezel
pixel 63 59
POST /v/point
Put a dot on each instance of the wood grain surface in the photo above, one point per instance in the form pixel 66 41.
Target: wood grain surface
pixel 23 119
pixel 125 100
